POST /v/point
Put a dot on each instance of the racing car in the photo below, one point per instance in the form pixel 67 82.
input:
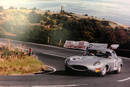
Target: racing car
pixel 99 61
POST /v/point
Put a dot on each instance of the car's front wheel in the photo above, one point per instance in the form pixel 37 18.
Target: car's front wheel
pixel 67 69
pixel 103 72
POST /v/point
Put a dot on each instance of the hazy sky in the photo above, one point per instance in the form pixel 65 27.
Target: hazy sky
pixel 101 2
pixel 116 10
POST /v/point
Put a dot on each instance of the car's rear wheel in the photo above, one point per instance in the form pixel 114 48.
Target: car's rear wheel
pixel 103 72
pixel 119 69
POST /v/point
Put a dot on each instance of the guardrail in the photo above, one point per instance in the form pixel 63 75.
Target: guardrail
pixel 120 52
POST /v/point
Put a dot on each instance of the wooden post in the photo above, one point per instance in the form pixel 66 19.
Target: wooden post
pixel 60 43
pixel 48 39
pixel 8 44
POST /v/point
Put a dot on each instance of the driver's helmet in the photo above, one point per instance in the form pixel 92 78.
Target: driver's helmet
pixel 108 54
pixel 91 54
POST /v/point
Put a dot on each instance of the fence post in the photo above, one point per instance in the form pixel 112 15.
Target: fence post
pixel 48 39
pixel 60 43
pixel 8 43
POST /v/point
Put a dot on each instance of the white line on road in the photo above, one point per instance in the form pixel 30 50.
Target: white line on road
pixel 126 79
pixel 57 86
pixel 53 69
pixel 72 85
pixel 125 58
pixel 69 85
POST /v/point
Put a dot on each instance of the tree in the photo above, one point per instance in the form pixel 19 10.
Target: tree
pixel 86 15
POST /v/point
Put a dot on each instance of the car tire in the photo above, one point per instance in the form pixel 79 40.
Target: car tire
pixel 67 69
pixel 119 70
pixel 103 72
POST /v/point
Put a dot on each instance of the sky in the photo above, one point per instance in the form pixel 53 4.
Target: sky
pixel 100 2
pixel 115 10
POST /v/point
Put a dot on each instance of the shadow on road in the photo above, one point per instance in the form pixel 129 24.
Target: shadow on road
pixel 64 73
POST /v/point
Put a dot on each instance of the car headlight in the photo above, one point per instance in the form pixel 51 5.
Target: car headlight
pixel 67 60
pixel 97 63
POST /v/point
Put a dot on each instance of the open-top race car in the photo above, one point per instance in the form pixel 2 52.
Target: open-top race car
pixel 98 60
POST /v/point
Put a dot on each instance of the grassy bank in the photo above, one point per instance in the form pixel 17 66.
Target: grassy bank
pixel 17 62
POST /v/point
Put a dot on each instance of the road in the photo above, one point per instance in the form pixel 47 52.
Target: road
pixel 55 56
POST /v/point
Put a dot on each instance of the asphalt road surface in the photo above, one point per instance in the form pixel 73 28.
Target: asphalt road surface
pixel 55 56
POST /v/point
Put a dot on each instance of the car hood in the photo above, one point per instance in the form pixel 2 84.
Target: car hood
pixel 84 60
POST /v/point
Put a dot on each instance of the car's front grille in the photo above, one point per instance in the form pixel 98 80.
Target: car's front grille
pixel 79 67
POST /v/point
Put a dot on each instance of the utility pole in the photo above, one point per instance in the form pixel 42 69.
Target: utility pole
pixel 62 9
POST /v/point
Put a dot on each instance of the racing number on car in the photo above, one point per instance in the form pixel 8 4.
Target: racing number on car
pixel 90 46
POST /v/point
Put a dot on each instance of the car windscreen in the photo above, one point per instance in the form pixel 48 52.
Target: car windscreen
pixel 98 53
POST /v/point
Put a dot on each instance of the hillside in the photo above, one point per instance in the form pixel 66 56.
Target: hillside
pixel 51 28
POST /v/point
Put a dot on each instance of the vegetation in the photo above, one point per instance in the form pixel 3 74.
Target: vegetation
pixel 51 28
pixel 14 61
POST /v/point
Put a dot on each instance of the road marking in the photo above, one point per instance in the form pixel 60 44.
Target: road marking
pixel 122 80
pixel 57 86
pixel 72 85
pixel 45 86
pixel 52 54
pixel 54 69
pixel 125 58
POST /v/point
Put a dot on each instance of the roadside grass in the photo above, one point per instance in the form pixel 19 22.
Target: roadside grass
pixel 16 63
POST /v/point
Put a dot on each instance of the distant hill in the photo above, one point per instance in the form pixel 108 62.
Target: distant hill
pixel 51 28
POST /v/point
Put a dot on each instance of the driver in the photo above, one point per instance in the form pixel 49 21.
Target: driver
pixel 86 52
pixel 107 54
pixel 91 54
